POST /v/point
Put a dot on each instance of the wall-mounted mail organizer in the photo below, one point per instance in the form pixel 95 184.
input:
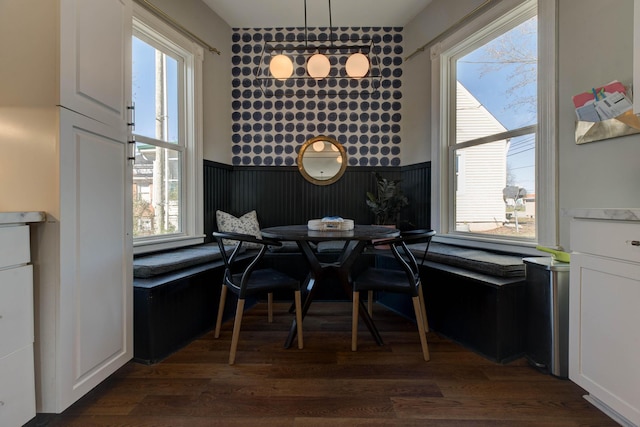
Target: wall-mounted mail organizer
pixel 605 112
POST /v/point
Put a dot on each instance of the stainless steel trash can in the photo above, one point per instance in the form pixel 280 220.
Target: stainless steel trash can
pixel 547 301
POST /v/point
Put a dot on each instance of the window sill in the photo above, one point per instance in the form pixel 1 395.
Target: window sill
pixel 498 245
pixel 144 247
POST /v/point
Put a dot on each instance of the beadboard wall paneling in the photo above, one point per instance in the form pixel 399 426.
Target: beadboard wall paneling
pixel 416 185
pixel 281 196
pixel 217 182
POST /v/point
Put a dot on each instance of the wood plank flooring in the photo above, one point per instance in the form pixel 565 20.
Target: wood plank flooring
pixel 326 384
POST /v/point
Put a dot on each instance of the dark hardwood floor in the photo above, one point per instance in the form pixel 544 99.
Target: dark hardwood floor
pixel 326 384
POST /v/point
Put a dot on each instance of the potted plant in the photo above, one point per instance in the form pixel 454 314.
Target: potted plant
pixel 388 200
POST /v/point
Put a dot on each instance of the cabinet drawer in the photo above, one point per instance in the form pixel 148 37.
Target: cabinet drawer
pixel 17 388
pixel 14 246
pixel 610 239
pixel 16 309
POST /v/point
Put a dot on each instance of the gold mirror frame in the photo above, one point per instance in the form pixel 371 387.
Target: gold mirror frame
pixel 312 165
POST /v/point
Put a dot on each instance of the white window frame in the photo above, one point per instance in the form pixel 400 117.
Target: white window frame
pixel 461 173
pixel 442 190
pixel 148 26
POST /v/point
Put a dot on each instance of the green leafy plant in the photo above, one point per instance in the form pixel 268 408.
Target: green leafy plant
pixel 388 200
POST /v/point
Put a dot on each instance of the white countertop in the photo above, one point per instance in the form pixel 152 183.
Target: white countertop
pixel 21 217
pixel 622 214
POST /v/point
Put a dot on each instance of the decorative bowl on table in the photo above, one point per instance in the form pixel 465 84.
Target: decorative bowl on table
pixel 330 223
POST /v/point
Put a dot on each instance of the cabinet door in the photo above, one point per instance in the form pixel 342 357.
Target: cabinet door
pixel 95 58
pixel 604 341
pixel 95 308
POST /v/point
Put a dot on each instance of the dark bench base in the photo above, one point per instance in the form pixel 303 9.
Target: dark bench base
pixel 481 312
pixel 171 310
pixel 484 313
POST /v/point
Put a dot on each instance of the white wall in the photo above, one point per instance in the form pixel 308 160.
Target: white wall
pixel 437 17
pixel 28 115
pixel 604 174
pixel 599 174
pixel 216 72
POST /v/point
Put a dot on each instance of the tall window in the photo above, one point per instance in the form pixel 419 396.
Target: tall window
pixel 166 176
pixel 488 127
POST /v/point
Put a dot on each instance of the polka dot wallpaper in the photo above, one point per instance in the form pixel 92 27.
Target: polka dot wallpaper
pixel 269 130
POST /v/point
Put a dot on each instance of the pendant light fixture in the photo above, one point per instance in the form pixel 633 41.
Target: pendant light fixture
pixel 317 67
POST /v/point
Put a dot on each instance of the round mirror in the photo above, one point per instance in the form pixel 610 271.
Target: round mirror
pixel 322 160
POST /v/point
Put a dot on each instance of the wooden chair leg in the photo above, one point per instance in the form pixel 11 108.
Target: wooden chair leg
pixel 236 331
pixel 370 303
pixel 424 309
pixel 421 331
pixel 354 321
pixel 223 298
pixel 298 301
pixel 270 306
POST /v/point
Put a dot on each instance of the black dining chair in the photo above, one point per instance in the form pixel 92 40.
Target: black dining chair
pixel 245 281
pixel 405 280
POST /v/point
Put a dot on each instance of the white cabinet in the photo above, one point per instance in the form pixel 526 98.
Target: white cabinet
pixel 604 345
pixel 95 53
pixel 17 387
pixel 65 93
pixel 94 309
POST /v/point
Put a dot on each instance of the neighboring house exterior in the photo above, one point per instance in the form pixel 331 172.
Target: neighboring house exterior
pixel 530 205
pixel 155 196
pixel 482 170
pixel 143 211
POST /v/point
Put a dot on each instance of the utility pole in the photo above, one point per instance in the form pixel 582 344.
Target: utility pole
pixel 159 164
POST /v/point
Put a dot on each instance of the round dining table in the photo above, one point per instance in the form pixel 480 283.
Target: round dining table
pixel 354 242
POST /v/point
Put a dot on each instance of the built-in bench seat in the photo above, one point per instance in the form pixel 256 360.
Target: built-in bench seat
pixel 472 259
pixel 176 294
pixel 474 297
pixel 157 264
pixel 175 299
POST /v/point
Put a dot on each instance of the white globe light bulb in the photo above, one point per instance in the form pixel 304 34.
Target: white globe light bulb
pixel 357 66
pixel 281 67
pixel 318 66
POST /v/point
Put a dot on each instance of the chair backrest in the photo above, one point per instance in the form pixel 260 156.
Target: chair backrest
pixel 403 254
pixel 232 277
pixel 420 236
